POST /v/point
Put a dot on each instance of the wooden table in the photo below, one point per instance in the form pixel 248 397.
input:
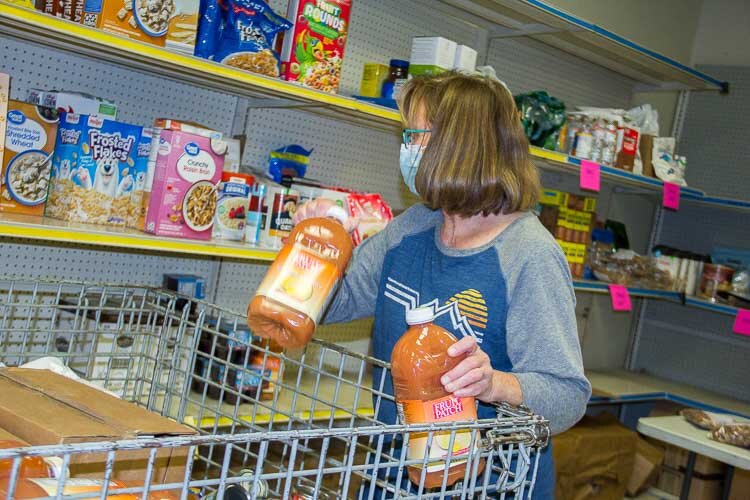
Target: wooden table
pixel 679 432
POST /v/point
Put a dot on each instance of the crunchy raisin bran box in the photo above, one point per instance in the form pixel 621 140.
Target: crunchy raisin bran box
pixel 183 196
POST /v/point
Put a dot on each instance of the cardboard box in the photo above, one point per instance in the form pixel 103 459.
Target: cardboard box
pixel 4 98
pixel 7 436
pixel 646 467
pixel 92 176
pixel 373 76
pixel 594 459
pixel 131 18
pixel 137 212
pixel 29 139
pixel 431 55
pixel 466 59
pixel 183 27
pixel 676 458
pixel 44 408
pixel 740 485
pixel 183 195
pixel 700 488
pixel 73 102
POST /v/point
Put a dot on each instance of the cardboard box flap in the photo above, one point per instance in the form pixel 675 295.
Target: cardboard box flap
pixel 7 436
pixel 127 419
pixel 36 418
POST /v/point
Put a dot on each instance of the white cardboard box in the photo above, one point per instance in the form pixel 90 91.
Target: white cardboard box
pixel 466 58
pixel 432 51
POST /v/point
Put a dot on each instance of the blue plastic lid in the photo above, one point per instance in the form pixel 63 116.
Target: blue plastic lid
pixel 603 235
pixel 399 63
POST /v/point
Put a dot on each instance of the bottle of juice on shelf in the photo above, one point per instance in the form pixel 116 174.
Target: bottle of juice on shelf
pixel 45 487
pixel 297 288
pixel 420 358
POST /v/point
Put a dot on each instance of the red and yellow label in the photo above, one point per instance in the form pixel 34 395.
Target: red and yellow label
pixel 447 409
pixel 301 279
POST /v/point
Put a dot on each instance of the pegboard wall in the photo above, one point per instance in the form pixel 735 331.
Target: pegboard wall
pixel 714 136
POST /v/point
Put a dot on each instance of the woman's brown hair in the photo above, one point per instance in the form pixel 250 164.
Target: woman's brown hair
pixel 477 160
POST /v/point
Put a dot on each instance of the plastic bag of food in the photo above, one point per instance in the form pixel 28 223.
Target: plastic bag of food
pixel 373 214
pixel 737 434
pixel 542 116
pixel 243 37
pixel 706 419
pixel 289 161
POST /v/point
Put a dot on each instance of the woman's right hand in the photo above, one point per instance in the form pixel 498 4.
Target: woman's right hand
pixel 319 208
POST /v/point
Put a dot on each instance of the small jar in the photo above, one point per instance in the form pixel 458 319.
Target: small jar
pixel 397 75
pixel 715 278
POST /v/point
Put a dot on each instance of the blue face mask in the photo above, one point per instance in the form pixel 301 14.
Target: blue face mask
pixel 409 158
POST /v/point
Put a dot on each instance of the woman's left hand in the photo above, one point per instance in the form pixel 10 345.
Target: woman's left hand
pixel 474 375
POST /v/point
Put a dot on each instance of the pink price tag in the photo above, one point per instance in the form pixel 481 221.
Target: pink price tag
pixel 742 322
pixel 671 198
pixel 590 175
pixel 620 298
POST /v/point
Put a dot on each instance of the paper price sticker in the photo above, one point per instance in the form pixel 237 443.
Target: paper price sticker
pixel 671 196
pixel 742 322
pixel 620 298
pixel 590 175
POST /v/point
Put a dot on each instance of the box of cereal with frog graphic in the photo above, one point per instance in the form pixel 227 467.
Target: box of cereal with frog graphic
pixel 92 170
pixel 183 196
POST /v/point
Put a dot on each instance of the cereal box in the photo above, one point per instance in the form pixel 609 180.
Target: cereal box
pixel 144 20
pixel 4 96
pixel 183 26
pixel 29 140
pixel 183 196
pixel 313 50
pixel 137 211
pixel 92 170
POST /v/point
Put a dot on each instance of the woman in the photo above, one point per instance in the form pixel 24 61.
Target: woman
pixel 474 242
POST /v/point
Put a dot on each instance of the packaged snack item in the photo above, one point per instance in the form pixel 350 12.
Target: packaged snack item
pixel 148 183
pixel 419 359
pixel 183 26
pixel 143 20
pixel 431 55
pixel 29 141
pixel 73 102
pixel 373 76
pixel 188 127
pixel 312 53
pixel 281 203
pixel 373 214
pixel 137 212
pixel 301 281
pixel 183 196
pixel 289 161
pixel 232 205
pixel 257 214
pixel 240 33
pixel 92 167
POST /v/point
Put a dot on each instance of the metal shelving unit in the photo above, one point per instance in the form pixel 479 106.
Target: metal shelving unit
pixel 540 21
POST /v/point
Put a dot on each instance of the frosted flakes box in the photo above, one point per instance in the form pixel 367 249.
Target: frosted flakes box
pixel 93 169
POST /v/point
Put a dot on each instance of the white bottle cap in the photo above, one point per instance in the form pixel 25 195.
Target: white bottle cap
pixel 419 315
pixel 339 213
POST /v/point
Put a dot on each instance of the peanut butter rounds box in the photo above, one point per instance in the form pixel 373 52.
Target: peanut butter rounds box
pixel 29 140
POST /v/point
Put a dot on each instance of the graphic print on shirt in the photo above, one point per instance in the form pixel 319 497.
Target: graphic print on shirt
pixel 466 309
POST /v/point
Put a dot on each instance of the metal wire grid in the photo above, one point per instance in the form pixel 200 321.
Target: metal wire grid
pixel 320 423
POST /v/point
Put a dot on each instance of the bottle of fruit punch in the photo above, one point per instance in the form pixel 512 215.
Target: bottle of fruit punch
pixel 420 358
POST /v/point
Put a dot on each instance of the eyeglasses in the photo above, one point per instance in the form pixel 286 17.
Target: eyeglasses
pixel 408 134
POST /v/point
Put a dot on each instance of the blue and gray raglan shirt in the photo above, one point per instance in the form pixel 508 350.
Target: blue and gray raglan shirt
pixel 514 294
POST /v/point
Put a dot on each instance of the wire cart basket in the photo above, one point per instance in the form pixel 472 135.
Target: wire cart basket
pixel 268 424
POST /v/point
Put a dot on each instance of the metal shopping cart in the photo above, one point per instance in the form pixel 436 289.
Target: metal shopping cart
pixel 300 424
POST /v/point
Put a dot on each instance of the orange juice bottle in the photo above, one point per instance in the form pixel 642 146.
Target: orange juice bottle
pixel 29 466
pixel 419 359
pixel 44 487
pixel 297 288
